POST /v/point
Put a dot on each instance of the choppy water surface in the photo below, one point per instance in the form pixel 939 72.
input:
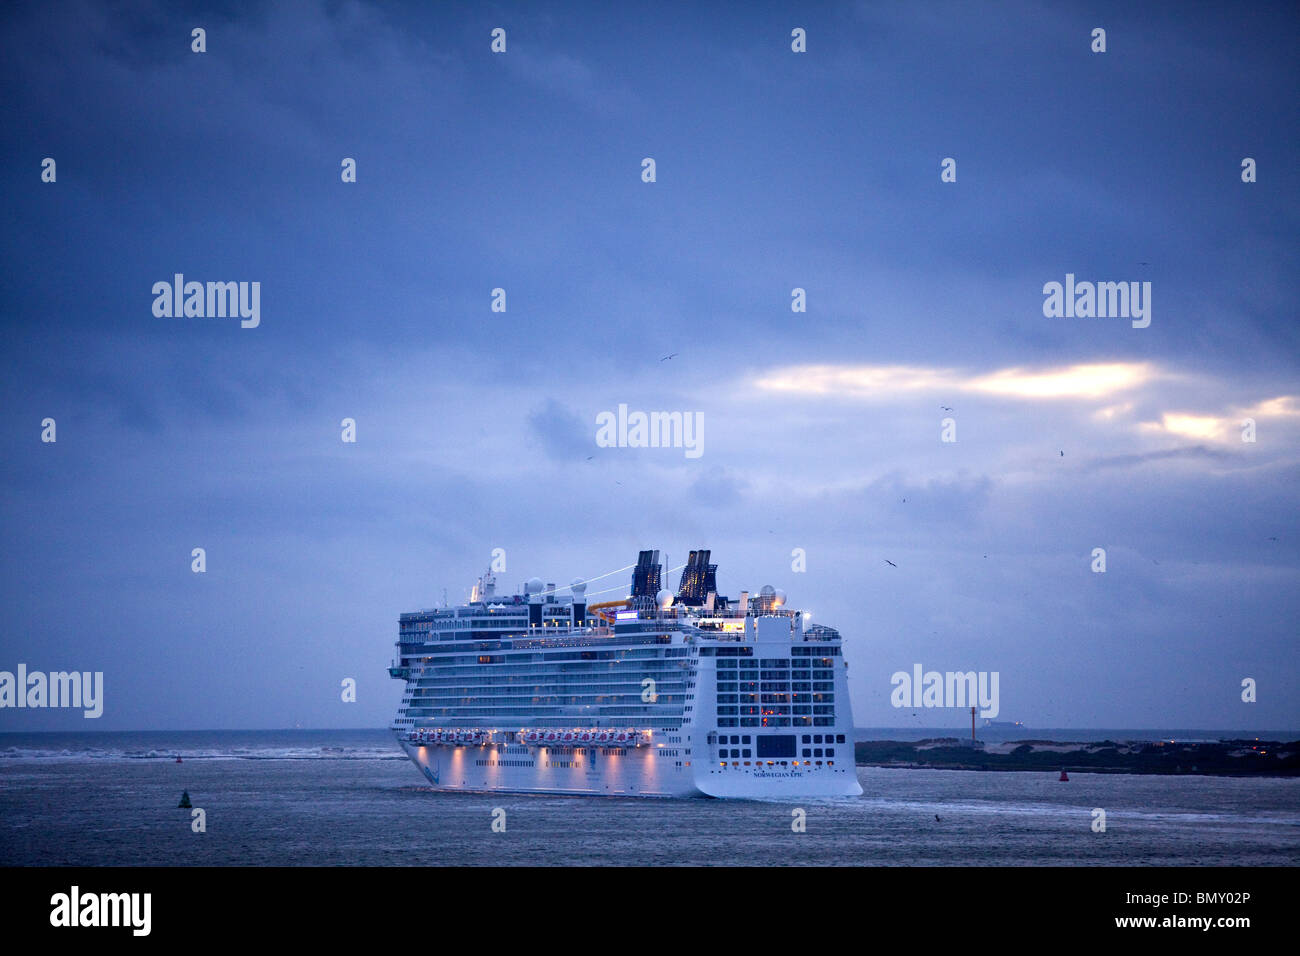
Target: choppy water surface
pixel 330 797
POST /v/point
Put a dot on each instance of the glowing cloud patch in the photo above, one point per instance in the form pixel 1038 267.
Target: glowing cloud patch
pixel 1076 381
pixel 853 379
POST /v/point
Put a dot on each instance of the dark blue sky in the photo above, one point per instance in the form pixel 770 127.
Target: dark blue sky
pixel 775 170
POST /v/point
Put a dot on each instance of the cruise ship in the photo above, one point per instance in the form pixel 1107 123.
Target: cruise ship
pixel 653 695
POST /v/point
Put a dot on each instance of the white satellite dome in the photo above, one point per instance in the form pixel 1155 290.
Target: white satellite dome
pixel 578 587
pixel 665 599
pixel 778 598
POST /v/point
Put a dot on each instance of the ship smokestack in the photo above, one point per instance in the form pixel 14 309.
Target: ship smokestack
pixel 533 591
pixel 579 589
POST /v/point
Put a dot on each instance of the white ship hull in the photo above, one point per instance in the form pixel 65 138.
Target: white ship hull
pixel 635 772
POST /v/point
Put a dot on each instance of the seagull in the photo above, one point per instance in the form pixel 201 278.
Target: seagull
pixel 1062 454
pixel 667 357
pixel 589 457
pixel 1272 539
pixel 890 563
pixel 936 817
pixel 945 408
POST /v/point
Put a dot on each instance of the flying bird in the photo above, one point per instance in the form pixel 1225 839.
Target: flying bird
pixel 890 563
pixel 1062 454
pixel 945 408
pixel 667 357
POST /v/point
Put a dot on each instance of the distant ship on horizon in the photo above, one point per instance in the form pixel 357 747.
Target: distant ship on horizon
pixel 655 694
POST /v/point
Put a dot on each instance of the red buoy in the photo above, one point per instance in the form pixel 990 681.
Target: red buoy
pixel 1064 778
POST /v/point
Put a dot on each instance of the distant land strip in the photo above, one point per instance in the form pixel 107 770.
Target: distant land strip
pixel 1221 758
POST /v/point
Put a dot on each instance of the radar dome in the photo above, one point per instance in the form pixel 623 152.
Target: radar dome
pixel 665 599
pixel 767 591
pixel 778 599
pixel 533 586
pixel 578 586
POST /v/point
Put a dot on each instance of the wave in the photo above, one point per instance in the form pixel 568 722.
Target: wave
pixel 224 753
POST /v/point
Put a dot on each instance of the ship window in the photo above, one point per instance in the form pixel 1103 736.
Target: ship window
pixel 807 751
pixel 839 738
pixel 776 745
pixel 807 738
pixel 817 752
pixel 746 753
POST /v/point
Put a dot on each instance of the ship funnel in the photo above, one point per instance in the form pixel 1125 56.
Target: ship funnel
pixel 579 589
pixel 533 590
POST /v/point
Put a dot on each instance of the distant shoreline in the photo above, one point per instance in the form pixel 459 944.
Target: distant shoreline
pixel 1228 758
